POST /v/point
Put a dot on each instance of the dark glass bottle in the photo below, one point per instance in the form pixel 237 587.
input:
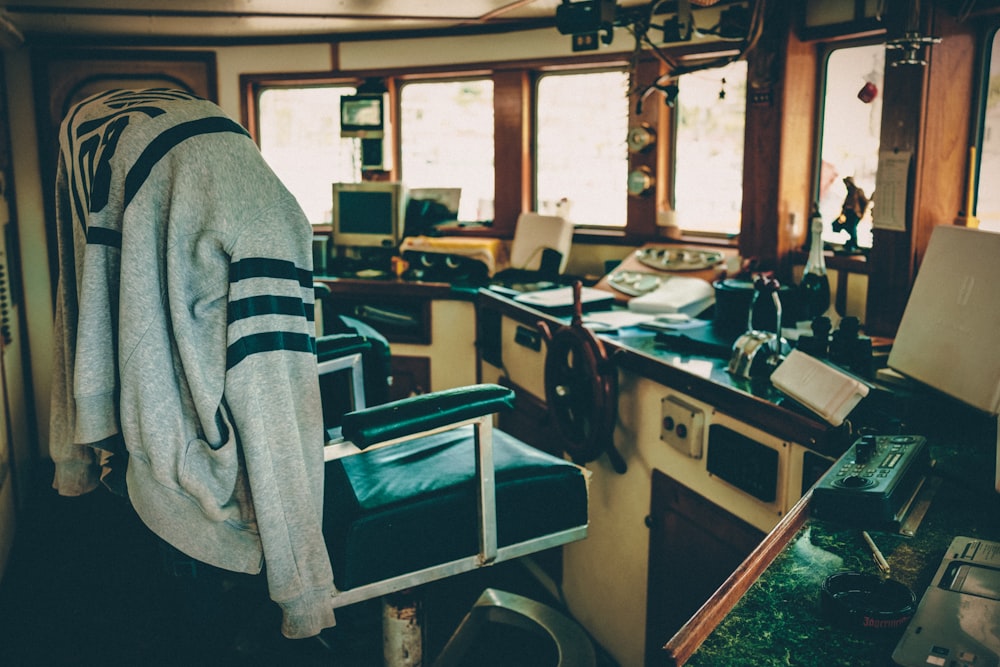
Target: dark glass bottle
pixel 814 288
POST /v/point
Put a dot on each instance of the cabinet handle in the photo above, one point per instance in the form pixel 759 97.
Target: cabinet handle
pixel 386 316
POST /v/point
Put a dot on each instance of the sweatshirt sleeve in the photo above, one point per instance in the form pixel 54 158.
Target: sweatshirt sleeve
pixel 76 466
pixel 272 393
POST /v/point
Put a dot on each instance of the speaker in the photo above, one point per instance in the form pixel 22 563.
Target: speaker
pixel 374 155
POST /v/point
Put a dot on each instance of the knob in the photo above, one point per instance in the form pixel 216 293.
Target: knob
pixel 864 449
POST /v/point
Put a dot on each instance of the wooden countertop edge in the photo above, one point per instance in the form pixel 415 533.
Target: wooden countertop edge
pixel 691 635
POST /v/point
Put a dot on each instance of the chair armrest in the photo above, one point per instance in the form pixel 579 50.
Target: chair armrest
pixel 424 412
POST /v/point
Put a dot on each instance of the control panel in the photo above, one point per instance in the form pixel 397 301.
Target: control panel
pixel 682 425
pixel 874 481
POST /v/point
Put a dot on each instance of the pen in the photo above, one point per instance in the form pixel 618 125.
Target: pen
pixel 876 553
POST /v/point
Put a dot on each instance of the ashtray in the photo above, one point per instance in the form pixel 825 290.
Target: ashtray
pixel 867 601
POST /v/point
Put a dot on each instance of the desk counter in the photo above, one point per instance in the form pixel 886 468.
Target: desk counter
pixel 779 621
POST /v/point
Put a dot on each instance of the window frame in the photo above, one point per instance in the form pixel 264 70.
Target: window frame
pixel 726 237
pixel 514 103
pixel 514 131
pixel 824 51
pixel 537 78
pixel 990 36
pixel 400 85
pixel 255 131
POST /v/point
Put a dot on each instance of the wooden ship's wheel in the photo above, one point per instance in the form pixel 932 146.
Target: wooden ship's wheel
pixel 581 389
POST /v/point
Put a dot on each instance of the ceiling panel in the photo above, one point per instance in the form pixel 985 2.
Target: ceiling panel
pixel 247 19
pixel 267 18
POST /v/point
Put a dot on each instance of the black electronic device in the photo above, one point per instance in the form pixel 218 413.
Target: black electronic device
pixel 363 115
pixel 587 18
pixel 446 268
pixel 874 483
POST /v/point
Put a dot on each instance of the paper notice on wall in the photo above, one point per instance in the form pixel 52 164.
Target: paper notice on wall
pixel 891 186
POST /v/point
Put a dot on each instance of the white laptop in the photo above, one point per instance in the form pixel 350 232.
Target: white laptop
pixel 948 336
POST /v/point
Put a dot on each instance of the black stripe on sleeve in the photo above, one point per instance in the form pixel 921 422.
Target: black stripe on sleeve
pixel 269 341
pixel 269 304
pixel 264 267
pixel 104 236
pixel 166 141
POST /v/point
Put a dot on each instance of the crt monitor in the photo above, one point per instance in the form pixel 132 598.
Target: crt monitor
pixel 369 214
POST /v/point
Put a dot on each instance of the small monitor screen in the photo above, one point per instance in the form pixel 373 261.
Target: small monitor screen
pixel 362 115
pixel 367 212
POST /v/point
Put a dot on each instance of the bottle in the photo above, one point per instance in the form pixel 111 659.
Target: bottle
pixel 765 307
pixel 814 288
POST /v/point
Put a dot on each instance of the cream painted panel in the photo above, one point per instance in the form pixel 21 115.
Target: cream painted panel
pixel 490 374
pixel 466 49
pixel 524 367
pixel 232 61
pixel 453 345
pixel 589 260
pixel 639 422
pixel 605 576
pixel 857 295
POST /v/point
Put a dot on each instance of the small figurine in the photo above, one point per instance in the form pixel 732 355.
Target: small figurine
pixel 853 209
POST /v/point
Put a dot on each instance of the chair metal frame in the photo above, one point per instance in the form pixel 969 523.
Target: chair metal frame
pixel 572 644
pixel 489 553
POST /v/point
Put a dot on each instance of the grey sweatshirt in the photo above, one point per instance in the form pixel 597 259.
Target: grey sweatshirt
pixel 184 329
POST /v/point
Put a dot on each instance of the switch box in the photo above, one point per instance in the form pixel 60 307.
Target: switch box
pixel 682 426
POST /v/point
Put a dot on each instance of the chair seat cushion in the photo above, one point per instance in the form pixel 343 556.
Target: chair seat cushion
pixel 398 509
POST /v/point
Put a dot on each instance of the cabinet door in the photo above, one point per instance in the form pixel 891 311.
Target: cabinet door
pixel 410 376
pixel 400 320
pixel 694 545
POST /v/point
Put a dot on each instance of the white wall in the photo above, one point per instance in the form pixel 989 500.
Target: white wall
pixel 529 44
pixel 231 62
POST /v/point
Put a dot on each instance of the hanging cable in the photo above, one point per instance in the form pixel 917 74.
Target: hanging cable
pixel 667 83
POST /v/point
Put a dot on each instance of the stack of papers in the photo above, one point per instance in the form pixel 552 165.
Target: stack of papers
pixel 677 294
pixel 560 300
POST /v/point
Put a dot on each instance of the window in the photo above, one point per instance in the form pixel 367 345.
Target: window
pixel 987 207
pixel 300 140
pixel 708 180
pixel 851 126
pixel 446 141
pixel 582 159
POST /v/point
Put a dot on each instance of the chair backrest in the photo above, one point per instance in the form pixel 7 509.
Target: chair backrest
pixel 340 362
pixel 534 234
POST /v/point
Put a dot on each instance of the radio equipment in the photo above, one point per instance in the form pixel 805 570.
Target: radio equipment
pixel 873 484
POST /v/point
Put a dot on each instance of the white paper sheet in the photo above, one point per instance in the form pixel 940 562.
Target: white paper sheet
pixel 891 186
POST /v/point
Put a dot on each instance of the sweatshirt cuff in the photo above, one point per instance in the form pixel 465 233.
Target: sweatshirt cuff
pixel 75 478
pixel 308 614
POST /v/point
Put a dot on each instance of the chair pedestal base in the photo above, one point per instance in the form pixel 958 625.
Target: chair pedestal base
pixel 402 630
pixel 572 644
